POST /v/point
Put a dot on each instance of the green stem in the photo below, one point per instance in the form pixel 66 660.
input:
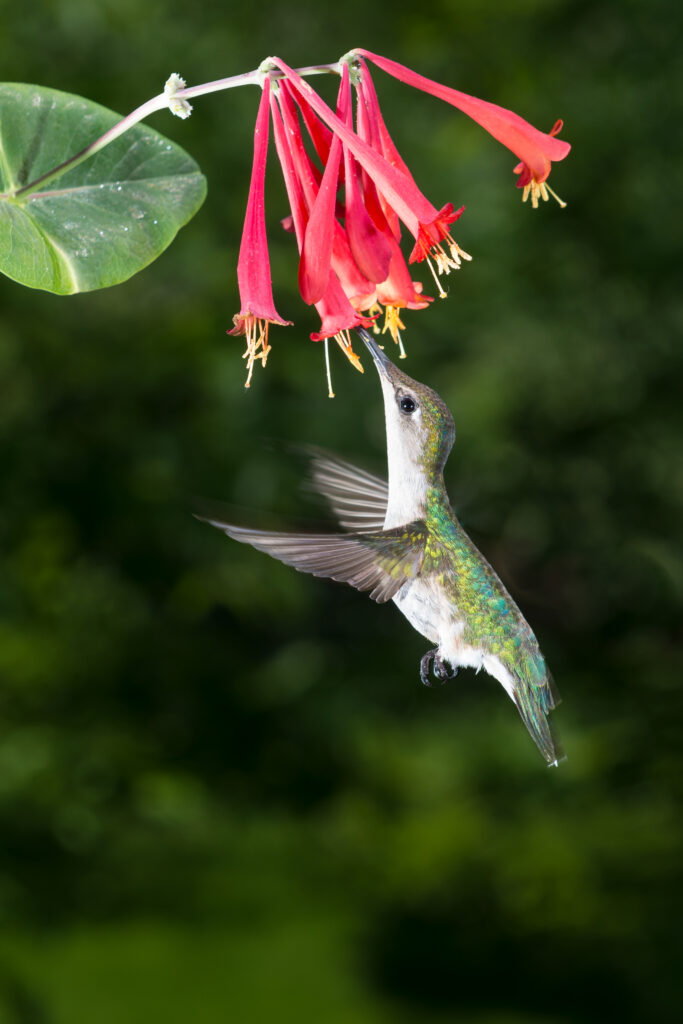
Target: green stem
pixel 150 107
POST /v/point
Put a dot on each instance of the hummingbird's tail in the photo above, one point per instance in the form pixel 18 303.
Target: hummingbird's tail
pixel 535 701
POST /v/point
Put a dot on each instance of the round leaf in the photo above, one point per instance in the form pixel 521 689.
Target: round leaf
pixel 99 222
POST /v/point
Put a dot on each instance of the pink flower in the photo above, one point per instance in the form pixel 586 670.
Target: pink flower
pixel 359 255
pixel 398 188
pixel 431 234
pixel 253 268
pixel 337 314
pixel 368 240
pixel 534 149
pixel 389 190
pixel 349 192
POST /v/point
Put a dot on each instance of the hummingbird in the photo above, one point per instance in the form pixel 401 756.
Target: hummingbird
pixel 402 542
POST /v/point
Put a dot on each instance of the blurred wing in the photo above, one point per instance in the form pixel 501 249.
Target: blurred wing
pixel 358 499
pixel 379 562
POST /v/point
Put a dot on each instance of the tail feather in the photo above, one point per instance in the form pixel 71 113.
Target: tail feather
pixel 534 703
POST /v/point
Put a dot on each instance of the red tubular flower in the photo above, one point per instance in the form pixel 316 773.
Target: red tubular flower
pixel 535 150
pixel 359 256
pixel 369 242
pixel 397 188
pixel 337 314
pixel 383 141
pixel 320 134
pixel 431 234
pixel 406 199
pixel 366 128
pixel 351 267
pixel 253 267
pixel 316 253
pixel 303 192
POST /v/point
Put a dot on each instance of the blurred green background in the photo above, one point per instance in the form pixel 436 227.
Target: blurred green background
pixel 224 794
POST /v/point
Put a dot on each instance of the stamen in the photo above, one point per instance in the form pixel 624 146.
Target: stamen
pixel 555 196
pixel 330 392
pixel 394 324
pixel 456 252
pixel 344 342
pixel 442 293
pixel 443 261
pixel 374 311
pixel 256 332
pixel 542 189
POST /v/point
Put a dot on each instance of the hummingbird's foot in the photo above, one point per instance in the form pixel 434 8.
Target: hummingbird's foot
pixel 439 668
pixel 426 666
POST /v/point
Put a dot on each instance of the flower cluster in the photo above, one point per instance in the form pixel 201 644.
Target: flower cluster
pixel 349 192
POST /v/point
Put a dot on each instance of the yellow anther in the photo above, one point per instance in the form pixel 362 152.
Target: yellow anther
pixel 540 188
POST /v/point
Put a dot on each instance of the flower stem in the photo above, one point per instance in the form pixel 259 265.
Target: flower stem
pixel 159 103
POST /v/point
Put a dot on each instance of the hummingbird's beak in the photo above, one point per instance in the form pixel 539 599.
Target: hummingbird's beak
pixel 381 361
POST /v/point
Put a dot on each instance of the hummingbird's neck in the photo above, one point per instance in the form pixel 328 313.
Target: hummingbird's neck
pixel 410 485
pixel 415 458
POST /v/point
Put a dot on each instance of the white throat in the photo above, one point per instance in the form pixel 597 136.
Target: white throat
pixel 407 481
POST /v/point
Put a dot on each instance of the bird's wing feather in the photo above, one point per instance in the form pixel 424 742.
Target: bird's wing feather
pixel 358 499
pixel 377 562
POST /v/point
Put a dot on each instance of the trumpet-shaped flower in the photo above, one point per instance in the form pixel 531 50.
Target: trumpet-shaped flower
pixel 535 150
pixel 349 191
pixel 369 240
pixel 253 268
pixel 430 234
pixel 338 316
pixel 409 203
pixel 394 184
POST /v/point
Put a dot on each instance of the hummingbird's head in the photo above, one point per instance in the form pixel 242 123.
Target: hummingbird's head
pixel 420 428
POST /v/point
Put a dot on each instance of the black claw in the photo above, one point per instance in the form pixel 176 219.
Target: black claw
pixel 441 670
pixel 433 663
pixel 425 666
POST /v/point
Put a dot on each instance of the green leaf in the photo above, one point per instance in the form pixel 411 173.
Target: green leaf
pixel 100 222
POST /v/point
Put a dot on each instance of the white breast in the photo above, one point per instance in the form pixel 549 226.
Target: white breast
pixel 423 605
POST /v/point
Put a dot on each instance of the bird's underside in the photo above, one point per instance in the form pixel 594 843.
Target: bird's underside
pixel 385 563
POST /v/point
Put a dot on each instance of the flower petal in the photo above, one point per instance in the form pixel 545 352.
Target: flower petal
pixel 369 246
pixel 316 254
pixel 336 312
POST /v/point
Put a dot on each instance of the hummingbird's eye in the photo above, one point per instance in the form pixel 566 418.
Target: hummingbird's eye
pixel 407 404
